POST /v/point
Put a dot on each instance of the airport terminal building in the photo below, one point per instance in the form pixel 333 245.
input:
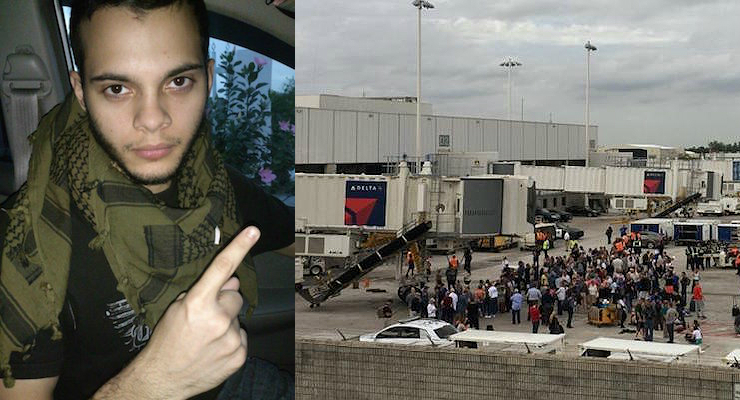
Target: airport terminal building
pixel 339 134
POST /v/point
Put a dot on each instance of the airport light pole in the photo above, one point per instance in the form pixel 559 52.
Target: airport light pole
pixel 589 48
pixel 419 4
pixel 509 64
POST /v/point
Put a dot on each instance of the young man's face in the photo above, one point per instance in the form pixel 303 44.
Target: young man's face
pixel 145 88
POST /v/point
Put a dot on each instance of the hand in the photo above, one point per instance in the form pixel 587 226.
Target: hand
pixel 198 343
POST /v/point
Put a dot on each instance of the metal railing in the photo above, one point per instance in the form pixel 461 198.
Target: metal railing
pixel 443 164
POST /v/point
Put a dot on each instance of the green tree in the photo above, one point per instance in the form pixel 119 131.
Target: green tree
pixel 281 143
pixel 239 115
pixel 254 131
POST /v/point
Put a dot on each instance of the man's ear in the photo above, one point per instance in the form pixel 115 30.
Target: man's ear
pixel 76 80
pixel 209 71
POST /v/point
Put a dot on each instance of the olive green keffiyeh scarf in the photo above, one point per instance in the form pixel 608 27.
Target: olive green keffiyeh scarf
pixel 155 252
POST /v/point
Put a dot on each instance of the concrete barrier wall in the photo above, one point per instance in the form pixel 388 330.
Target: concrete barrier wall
pixel 354 370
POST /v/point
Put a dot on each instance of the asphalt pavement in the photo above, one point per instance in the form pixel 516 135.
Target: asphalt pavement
pixel 353 312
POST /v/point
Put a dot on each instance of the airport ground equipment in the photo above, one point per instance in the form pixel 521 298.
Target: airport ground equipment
pixel 496 243
pixel 694 231
pixel 710 208
pixel 600 316
pixel 728 233
pixel 730 205
pixel 677 206
pixel 331 287
pixel 655 225
pixel 518 342
pixel 621 349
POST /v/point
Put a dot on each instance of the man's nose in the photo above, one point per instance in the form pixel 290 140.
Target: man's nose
pixel 151 115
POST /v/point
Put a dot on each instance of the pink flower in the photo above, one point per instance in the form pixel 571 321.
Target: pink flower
pixel 260 61
pixel 284 125
pixel 267 175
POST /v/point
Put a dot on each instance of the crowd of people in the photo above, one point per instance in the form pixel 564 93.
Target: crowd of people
pixel 643 285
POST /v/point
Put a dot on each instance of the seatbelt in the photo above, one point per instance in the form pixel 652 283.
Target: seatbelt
pixel 25 80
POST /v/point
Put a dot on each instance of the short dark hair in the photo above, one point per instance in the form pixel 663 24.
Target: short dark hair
pixel 84 9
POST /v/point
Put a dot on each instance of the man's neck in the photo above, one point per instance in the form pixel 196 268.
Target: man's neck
pixel 158 188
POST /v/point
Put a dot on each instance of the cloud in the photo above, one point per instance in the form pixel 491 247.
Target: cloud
pixel 664 69
pixel 484 30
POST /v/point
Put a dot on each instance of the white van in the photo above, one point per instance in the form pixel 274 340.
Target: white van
pixel 710 208
pixel 730 205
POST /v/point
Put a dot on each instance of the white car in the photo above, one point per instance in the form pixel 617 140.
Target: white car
pixel 414 331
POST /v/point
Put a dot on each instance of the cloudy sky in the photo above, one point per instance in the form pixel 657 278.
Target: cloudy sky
pixel 665 72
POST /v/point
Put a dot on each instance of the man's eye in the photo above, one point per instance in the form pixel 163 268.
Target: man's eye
pixel 116 90
pixel 181 82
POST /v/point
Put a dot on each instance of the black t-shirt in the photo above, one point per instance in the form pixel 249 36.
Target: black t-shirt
pixel 101 332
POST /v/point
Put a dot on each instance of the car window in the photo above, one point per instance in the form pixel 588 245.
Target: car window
pixel 390 333
pixel 445 331
pixel 410 333
pixel 251 111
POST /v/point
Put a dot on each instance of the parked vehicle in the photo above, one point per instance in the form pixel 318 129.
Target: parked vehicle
pixel 649 240
pixel 573 233
pixel 654 225
pixel 710 208
pixel 547 215
pixel 414 331
pixel 496 243
pixel 730 205
pixel 582 211
pixel 530 241
pixel 565 216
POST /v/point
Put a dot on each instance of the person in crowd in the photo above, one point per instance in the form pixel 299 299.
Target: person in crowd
pixel 622 309
pixel 467 259
pixel 460 325
pixel 695 337
pixel 639 319
pixel 431 309
pixel 473 314
pixel 451 275
pixel 698 298
pixel 554 327
pixel 648 313
pixel 560 295
pixel 516 306
pixel 671 315
pixel 570 305
pixel 534 315
pixel 684 285
pixel 493 300
pixel 410 262
pixel 609 232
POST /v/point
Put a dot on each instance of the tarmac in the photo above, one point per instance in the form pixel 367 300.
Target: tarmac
pixel 353 312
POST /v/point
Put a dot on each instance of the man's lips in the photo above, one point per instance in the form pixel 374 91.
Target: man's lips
pixel 154 152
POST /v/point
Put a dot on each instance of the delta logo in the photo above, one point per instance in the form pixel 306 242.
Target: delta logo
pixel 365 203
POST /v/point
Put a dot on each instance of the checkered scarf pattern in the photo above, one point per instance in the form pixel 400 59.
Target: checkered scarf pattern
pixel 155 252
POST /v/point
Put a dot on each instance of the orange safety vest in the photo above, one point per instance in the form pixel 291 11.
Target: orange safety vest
pixel 453 262
pixel 619 246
